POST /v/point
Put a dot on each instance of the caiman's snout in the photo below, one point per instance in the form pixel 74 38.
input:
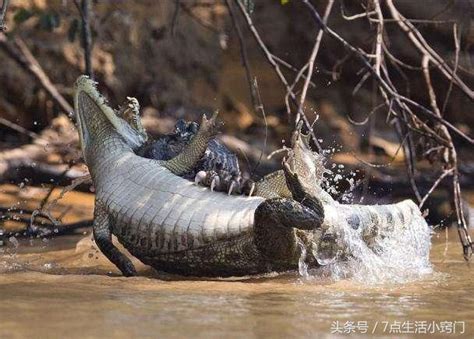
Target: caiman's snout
pixel 94 116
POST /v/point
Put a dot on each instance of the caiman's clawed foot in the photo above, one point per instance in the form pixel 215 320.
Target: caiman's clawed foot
pixel 299 192
pixel 292 181
pixel 277 218
pixel 219 180
pixel 248 187
pixel 210 127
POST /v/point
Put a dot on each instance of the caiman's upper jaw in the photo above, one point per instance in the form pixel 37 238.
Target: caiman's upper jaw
pixel 93 112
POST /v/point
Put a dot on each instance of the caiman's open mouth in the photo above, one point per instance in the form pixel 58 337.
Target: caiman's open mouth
pixel 93 112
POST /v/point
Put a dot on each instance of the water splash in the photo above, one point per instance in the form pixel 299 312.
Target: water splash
pixel 395 254
pixel 370 244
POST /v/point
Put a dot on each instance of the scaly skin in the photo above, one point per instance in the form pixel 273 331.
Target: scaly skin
pixel 218 168
pixel 165 220
pixel 175 226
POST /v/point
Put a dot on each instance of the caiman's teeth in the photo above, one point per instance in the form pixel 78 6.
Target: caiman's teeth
pixel 231 188
pixel 215 182
pixel 200 176
pixel 252 189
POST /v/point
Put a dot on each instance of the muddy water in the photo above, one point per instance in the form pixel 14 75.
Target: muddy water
pixel 65 288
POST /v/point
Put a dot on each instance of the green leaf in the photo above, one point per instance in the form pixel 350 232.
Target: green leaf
pixel 22 15
pixel 284 2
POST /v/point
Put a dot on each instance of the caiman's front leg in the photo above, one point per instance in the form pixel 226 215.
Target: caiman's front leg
pixel 103 239
pixel 276 220
pixel 187 159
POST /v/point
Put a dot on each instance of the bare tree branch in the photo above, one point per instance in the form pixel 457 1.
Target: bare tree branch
pixel 456 64
pixel 311 60
pixel 243 54
pixel 84 10
pixel 271 59
pixel 420 43
pixel 401 100
pixel 22 55
pixel 3 12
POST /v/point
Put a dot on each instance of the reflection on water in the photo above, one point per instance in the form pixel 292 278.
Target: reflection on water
pixel 68 293
pixel 66 288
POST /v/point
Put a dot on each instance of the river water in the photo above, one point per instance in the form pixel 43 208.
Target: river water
pixel 64 288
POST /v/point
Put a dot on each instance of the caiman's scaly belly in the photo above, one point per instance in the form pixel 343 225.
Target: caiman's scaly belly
pixel 166 220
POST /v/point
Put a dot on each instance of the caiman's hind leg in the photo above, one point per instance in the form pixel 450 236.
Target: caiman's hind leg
pixel 276 220
pixel 103 239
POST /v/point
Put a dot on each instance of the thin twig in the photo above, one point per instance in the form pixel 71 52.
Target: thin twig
pixel 84 10
pixel 379 38
pixel 243 54
pixel 291 68
pixel 420 43
pixel 311 60
pixel 401 100
pixel 3 12
pixel 22 55
pixel 450 158
pixel 270 58
pixel 360 83
pixel 431 93
pixel 456 63
pixel 19 128
pixel 45 231
pixel 260 108
pixel 366 120
pixel 389 163
pixel 434 186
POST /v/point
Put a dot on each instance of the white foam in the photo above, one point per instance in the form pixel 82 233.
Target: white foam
pixel 397 255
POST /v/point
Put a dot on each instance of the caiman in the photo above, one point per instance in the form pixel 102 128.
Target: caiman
pixel 173 225
pixel 218 168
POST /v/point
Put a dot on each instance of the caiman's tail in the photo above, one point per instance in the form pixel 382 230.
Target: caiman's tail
pixel 372 224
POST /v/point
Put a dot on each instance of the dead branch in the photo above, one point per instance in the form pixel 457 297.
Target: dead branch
pixel 18 128
pixel 243 54
pixel 236 145
pixel 20 53
pixel 451 159
pixel 29 164
pixel 434 186
pixel 402 101
pixel 408 113
pixel 44 230
pixel 420 43
pixel 174 20
pixel 271 59
pixel 311 60
pixel 3 12
pixel 456 64
pixel 84 10
pixel 260 108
